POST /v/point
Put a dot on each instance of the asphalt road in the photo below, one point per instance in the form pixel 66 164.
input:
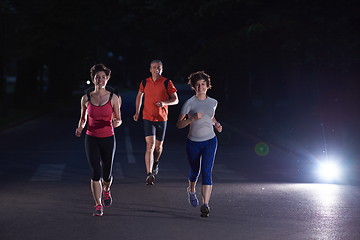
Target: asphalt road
pixel 45 191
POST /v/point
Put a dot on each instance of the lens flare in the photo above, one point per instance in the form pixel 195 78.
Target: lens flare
pixel 262 149
pixel 329 171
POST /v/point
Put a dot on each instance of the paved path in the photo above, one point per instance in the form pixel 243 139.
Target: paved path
pixel 45 192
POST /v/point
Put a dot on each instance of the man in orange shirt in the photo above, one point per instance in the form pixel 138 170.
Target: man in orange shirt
pixel 158 93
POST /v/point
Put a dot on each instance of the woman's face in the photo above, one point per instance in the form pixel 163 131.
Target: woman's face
pixel 100 79
pixel 201 86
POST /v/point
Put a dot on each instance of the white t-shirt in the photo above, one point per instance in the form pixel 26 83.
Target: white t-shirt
pixel 201 129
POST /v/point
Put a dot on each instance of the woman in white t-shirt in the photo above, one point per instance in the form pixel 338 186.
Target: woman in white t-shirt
pixel 201 145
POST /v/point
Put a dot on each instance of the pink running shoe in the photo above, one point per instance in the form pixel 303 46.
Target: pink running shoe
pixel 98 210
pixel 107 199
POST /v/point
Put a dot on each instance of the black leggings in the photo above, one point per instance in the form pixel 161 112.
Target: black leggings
pixel 100 153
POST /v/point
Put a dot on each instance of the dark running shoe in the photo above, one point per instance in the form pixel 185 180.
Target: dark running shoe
pixel 150 179
pixel 107 199
pixel 98 211
pixel 192 198
pixel 205 210
pixel 155 170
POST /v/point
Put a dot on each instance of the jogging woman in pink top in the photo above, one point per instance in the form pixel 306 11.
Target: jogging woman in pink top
pixel 100 109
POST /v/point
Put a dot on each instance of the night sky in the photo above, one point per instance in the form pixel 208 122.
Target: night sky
pixel 293 64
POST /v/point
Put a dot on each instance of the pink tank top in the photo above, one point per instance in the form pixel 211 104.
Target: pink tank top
pixel 100 120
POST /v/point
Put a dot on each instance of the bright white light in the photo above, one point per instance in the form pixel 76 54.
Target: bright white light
pixel 329 171
pixel 88 82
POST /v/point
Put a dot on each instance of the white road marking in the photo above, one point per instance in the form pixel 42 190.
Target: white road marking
pixel 129 147
pixel 220 172
pixel 48 172
pixel 117 171
pixel 170 171
pixel 223 172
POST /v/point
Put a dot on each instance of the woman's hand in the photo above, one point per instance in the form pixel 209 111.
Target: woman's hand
pixel 196 116
pixel 116 122
pixel 78 131
pixel 218 127
pixel 185 119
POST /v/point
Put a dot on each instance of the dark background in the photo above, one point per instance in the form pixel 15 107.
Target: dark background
pixel 286 67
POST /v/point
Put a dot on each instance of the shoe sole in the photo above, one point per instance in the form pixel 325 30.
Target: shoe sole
pixel 98 214
pixel 204 215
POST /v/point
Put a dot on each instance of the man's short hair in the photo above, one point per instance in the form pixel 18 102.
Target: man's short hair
pixel 156 61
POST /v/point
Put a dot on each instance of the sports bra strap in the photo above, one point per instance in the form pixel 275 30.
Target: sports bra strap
pixel 110 89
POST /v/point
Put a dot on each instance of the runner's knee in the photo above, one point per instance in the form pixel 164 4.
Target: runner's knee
pixel 96 177
pixel 206 179
pixel 194 175
pixel 158 148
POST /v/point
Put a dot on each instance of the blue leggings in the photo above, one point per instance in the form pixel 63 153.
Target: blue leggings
pixel 201 156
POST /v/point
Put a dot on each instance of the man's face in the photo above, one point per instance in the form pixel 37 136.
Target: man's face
pixel 156 69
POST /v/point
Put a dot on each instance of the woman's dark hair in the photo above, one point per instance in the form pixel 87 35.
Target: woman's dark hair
pixel 98 68
pixel 200 75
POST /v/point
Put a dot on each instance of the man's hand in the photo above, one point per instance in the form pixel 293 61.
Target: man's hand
pixel 136 117
pixel 160 104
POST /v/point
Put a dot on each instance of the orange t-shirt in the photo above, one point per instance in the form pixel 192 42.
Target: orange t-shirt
pixel 156 92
